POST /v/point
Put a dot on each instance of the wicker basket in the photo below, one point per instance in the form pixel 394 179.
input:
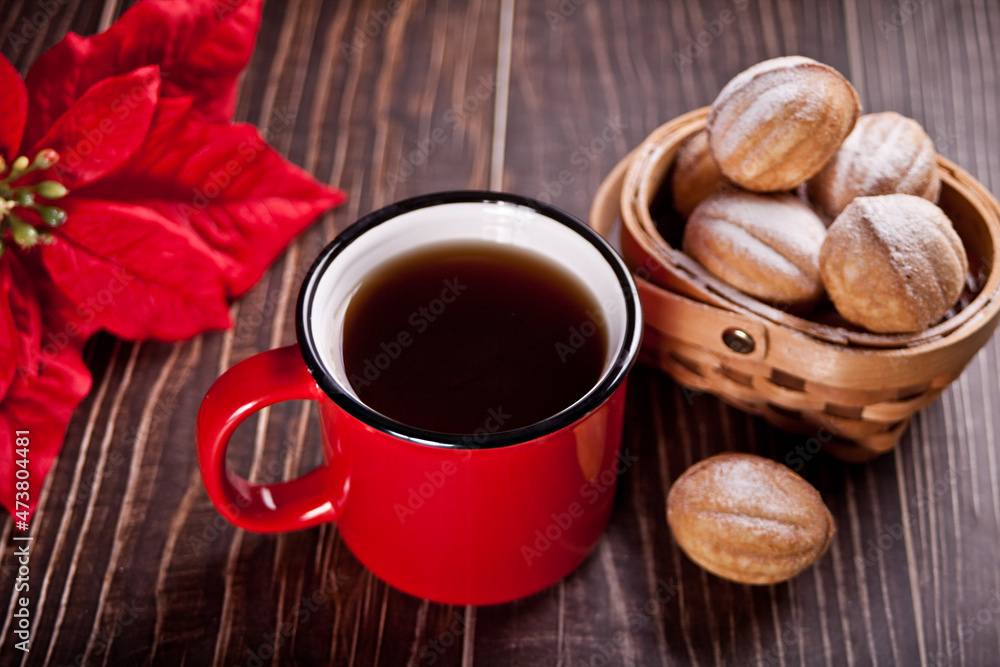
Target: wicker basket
pixel 855 390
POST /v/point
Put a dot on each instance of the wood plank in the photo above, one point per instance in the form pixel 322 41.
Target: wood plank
pixel 135 566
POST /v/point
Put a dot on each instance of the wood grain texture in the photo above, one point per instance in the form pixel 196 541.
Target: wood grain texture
pixel 131 563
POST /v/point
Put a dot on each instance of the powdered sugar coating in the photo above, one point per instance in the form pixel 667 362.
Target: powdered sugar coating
pixel 768 104
pixel 747 518
pixel 741 80
pixel 893 263
pixel 774 125
pixel 887 153
pixel 766 245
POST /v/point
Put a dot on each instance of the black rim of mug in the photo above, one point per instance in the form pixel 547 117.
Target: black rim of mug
pixel 594 398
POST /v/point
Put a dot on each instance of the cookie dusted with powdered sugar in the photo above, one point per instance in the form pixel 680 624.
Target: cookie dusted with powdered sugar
pixel 887 153
pixel 766 245
pixel 777 123
pixel 893 263
pixel 748 519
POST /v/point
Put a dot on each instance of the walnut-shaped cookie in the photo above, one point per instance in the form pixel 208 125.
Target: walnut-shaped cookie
pixel 766 245
pixel 893 263
pixel 887 153
pixel 748 519
pixel 776 124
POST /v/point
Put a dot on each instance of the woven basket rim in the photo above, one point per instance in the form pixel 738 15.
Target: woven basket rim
pixel 636 196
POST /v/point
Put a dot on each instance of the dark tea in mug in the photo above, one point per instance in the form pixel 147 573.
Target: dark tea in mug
pixel 463 336
pixel 468 355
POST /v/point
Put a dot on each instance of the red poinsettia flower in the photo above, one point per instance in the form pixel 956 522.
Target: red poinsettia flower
pixel 129 203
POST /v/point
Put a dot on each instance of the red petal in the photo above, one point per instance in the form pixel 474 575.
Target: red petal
pixel 55 82
pixel 102 129
pixel 200 45
pixel 42 406
pixel 13 110
pixel 10 339
pixel 57 305
pixel 21 302
pixel 135 273
pixel 225 183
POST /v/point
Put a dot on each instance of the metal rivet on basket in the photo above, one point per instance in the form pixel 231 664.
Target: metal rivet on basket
pixel 738 341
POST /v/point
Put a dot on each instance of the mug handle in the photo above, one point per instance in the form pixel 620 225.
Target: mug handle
pixel 255 383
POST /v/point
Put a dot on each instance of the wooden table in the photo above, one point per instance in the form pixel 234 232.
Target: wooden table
pixel 133 565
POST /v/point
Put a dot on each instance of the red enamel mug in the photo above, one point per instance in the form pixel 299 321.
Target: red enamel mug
pixel 475 519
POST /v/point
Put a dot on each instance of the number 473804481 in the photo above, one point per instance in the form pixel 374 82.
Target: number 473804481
pixel 22 495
